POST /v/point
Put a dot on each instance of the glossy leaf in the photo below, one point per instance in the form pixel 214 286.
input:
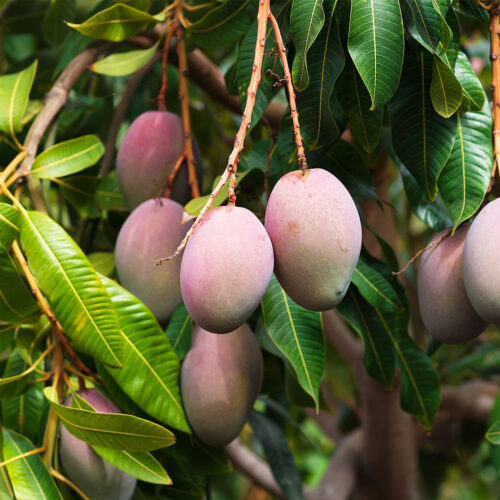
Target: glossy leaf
pixel 473 93
pixel 124 63
pixel 72 288
pixel 28 475
pixel 466 175
pixel 446 91
pixel 102 262
pixel 326 61
pixel 180 331
pixel 9 224
pixel 14 94
pixel 278 455
pixel 223 24
pixel 16 301
pixel 298 334
pixel 376 45
pixel 306 20
pixel 150 373
pixel 116 23
pixel 378 353
pixel 110 430
pixel 68 157
pixel 422 139
pixel 365 123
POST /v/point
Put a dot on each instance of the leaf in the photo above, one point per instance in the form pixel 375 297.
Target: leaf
pixel 102 262
pixel 110 430
pixel 376 45
pixel 116 23
pixel 326 61
pixel 374 287
pixel 109 195
pixel 422 139
pixel 72 288
pixel 180 331
pixel 68 157
pixel 9 224
pixel 224 24
pixel 14 94
pixel 473 93
pixel 466 175
pixel 29 477
pixel 378 353
pixel 54 29
pixel 298 334
pixel 306 20
pixel 124 63
pixel 446 91
pixel 365 123
pixel 16 302
pixel 150 373
pixel 80 191
pixel 278 455
pixel 493 433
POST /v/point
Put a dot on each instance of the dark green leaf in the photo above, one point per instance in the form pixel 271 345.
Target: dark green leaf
pixel 9 224
pixel 180 331
pixel 473 93
pixel 446 91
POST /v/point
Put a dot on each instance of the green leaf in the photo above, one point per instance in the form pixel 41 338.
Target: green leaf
pixel 473 93
pixel 376 45
pixel 224 24
pixel 466 175
pixel 278 455
pixel 365 123
pixel 116 23
pixel 298 334
pixel 150 373
pixel 422 139
pixel 81 192
pixel 72 288
pixel 29 477
pixel 446 91
pixel 374 287
pixel 326 61
pixel 180 331
pixel 109 195
pixel 54 29
pixel 14 94
pixel 110 430
pixel 306 20
pixel 124 63
pixel 9 224
pixel 68 157
pixel 378 353
pixel 16 302
pixel 102 262
pixel 493 433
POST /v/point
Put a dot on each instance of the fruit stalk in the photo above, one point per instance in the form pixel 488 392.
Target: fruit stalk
pixel 495 84
pixel 166 46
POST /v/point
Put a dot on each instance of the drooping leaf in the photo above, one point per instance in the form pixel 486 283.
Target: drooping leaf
pixel 376 45
pixel 223 24
pixel 378 353
pixel 473 93
pixel 72 288
pixel 422 139
pixel 150 373
pixel 306 20
pixel 446 91
pixel 180 331
pixel 116 23
pixel 124 63
pixel 68 157
pixel 28 475
pixel 9 224
pixel 16 302
pixel 466 175
pixel 298 334
pixel 365 123
pixel 326 61
pixel 14 94
pixel 110 430
pixel 278 455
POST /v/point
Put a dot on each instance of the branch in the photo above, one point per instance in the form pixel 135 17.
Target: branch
pixel 258 471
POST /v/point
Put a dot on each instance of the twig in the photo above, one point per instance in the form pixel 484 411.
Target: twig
pixel 495 84
pixel 64 479
pixel 12 166
pixel 430 246
pixel 22 455
pixel 164 74
pixel 171 178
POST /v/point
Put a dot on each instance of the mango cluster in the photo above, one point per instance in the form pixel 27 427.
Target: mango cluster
pixel 458 286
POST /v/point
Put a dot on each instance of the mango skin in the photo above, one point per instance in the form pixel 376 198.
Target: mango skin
pixel 153 230
pixel 445 309
pixel 147 154
pixel 226 268
pixel 481 263
pixel 221 378
pixel 96 477
pixel 316 234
